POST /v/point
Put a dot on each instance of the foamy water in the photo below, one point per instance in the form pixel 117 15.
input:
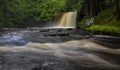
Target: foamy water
pixel 49 49
pixel 84 52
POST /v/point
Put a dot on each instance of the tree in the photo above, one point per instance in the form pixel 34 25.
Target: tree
pixel 93 7
pixel 74 5
pixel 116 2
pixel 23 12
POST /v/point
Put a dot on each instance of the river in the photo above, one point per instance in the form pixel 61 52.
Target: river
pixel 58 49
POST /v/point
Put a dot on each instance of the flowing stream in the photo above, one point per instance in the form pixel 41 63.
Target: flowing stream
pixel 61 47
pixel 58 49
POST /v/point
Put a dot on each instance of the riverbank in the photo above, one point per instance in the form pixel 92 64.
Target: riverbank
pixel 105 29
pixel 105 22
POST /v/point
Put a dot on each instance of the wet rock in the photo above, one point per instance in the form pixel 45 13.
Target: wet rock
pixel 58 34
pixel 37 68
pixel 2 59
pixel 109 41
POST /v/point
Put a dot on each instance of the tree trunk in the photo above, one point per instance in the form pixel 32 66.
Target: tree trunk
pixel 100 5
pixel 91 8
pixel 87 8
pixel 117 9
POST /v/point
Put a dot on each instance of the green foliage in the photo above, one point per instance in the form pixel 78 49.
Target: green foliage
pixel 107 17
pixel 21 12
pixel 105 29
pixel 82 24
pixel 45 9
pixel 74 5
pixel 106 22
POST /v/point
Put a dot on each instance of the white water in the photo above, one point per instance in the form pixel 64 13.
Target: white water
pixel 81 51
pixel 66 20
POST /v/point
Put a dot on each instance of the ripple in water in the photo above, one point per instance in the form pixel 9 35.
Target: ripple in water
pixel 71 55
pixel 61 56
pixel 12 39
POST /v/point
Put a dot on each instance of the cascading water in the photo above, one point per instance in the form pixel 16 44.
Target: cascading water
pixel 66 20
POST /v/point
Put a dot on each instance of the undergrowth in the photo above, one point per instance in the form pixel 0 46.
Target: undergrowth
pixel 113 30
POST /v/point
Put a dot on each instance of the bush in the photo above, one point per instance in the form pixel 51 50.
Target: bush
pixel 105 29
pixel 107 17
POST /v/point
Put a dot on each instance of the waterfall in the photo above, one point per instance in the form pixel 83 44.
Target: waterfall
pixel 65 20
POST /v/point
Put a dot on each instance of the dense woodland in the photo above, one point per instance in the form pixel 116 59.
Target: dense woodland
pixel 23 13
pixel 93 7
pixel 106 14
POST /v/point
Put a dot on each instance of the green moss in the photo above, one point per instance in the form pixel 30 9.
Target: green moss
pixel 81 24
pixel 107 17
pixel 106 23
pixel 105 29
